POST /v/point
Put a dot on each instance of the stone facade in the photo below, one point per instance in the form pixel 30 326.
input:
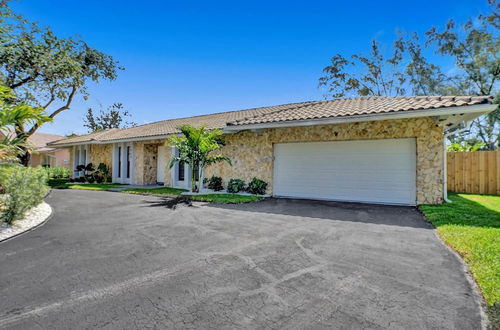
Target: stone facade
pixel 102 153
pixel 146 162
pixel 252 152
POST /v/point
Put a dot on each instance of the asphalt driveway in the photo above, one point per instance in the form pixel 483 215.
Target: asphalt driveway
pixel 117 261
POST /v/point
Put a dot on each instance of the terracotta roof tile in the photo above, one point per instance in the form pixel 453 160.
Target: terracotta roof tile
pixel 361 106
pixel 283 113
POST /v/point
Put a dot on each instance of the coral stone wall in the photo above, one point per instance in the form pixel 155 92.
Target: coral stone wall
pixel 146 162
pixel 102 153
pixel 252 153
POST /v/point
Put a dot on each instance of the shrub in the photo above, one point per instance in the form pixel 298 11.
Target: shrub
pixel 101 174
pixel 215 183
pixel 235 185
pixel 57 172
pixel 257 186
pixel 24 188
pixel 57 182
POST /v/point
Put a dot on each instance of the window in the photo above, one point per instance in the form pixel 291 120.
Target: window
pixel 119 162
pixel 128 162
pixel 180 171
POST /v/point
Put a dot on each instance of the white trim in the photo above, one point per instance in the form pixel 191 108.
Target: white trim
pixel 480 109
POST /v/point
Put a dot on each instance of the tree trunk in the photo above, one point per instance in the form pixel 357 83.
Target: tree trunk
pixel 193 178
pixel 25 158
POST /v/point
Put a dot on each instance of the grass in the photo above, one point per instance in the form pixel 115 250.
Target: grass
pixel 163 191
pixel 87 186
pixel 226 198
pixel 471 226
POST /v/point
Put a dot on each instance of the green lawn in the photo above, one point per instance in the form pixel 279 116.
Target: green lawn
pixel 226 198
pixel 471 226
pixel 155 191
pixel 88 186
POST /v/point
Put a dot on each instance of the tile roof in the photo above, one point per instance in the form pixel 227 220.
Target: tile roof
pixel 38 140
pixel 361 106
pixel 283 113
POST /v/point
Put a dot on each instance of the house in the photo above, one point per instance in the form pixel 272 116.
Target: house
pixel 48 156
pixel 43 154
pixel 372 149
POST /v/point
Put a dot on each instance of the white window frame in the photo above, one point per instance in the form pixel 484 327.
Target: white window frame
pixel 123 177
pixel 81 156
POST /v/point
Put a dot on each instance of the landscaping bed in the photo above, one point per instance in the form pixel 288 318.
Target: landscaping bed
pixel 88 186
pixel 33 218
pixel 161 191
pixel 471 226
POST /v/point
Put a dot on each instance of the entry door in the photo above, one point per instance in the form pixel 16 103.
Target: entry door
pixel 160 168
pixel 372 171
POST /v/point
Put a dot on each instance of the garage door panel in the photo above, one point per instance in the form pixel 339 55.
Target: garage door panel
pixel 379 171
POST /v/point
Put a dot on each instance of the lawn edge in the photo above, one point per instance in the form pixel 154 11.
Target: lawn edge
pixel 477 293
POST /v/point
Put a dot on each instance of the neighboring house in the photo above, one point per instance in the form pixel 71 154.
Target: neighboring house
pixel 374 149
pixel 44 155
pixel 48 156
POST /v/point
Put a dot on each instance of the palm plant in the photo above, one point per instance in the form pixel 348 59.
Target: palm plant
pixel 196 148
pixel 13 117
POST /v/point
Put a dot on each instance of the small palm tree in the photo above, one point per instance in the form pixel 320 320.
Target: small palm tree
pixel 13 117
pixel 196 148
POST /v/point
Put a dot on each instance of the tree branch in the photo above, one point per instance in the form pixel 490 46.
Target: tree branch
pixel 22 82
pixel 56 112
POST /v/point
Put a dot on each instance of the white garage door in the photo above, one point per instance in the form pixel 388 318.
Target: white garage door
pixel 373 171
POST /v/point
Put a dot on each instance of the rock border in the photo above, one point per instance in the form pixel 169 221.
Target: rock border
pixel 38 216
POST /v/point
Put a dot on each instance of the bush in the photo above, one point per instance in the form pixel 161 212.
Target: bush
pixel 235 185
pixel 257 186
pixel 215 183
pixel 57 182
pixel 57 172
pixel 24 188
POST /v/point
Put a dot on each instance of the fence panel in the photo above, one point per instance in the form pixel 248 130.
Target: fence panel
pixel 475 172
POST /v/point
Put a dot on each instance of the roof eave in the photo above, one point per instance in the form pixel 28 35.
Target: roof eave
pixel 477 109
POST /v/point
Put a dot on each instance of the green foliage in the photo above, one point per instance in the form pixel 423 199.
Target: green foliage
pixel 163 191
pixel 466 146
pixel 257 186
pixel 13 117
pixel 226 198
pixel 88 186
pixel 57 182
pixel 473 47
pixel 101 174
pixel 196 148
pixel 471 226
pixel 47 71
pixel 114 117
pixel 215 183
pixel 57 172
pixel 24 188
pixel 235 185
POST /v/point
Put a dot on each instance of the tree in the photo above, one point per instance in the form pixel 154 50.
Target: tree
pixel 473 47
pixel 112 118
pixel 12 115
pixel 195 149
pixel 44 70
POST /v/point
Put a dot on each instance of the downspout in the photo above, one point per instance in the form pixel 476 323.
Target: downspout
pixel 445 158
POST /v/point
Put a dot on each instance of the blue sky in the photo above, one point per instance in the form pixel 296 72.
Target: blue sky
pixel 186 58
